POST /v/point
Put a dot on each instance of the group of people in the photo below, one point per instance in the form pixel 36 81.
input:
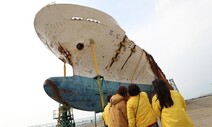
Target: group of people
pixel 131 108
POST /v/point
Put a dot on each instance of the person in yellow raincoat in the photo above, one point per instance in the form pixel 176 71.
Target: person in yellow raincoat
pixel 170 106
pixel 118 108
pixel 105 114
pixel 139 110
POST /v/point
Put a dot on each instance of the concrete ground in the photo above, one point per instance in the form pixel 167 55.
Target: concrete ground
pixel 200 111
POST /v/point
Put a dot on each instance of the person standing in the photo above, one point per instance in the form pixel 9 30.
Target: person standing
pixel 118 108
pixel 139 110
pixel 170 106
pixel 105 114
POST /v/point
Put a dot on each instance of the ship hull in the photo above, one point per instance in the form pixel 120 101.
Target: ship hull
pixel 93 43
pixel 82 92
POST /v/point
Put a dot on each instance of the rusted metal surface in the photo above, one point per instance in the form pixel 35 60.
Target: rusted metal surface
pixel 82 92
pixel 53 91
pixel 66 30
pixel 117 52
pixel 61 28
pixel 66 54
pixel 132 51
pixel 156 69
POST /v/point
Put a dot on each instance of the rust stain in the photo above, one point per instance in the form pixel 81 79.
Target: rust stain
pixel 137 67
pixel 156 70
pixel 118 51
pixel 65 53
pixel 56 91
pixel 142 69
pixel 132 51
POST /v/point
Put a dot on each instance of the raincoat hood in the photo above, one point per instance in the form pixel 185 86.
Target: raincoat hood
pixel 116 99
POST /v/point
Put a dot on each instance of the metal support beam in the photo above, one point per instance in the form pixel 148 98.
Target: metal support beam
pixel 64 116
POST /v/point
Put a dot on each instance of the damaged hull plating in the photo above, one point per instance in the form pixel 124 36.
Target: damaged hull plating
pixel 82 92
pixel 94 44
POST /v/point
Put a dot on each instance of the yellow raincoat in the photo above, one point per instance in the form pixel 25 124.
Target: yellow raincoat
pixel 106 114
pixel 144 116
pixel 174 116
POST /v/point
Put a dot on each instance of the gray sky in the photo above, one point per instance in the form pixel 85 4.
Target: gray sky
pixel 176 32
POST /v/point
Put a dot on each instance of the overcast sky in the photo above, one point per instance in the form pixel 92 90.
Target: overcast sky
pixel 178 34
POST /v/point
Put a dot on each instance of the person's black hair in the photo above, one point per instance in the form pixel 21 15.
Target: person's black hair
pixel 163 94
pixel 133 90
pixel 108 98
pixel 122 90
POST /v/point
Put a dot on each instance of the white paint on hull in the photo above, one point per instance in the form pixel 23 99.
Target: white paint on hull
pixel 62 26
